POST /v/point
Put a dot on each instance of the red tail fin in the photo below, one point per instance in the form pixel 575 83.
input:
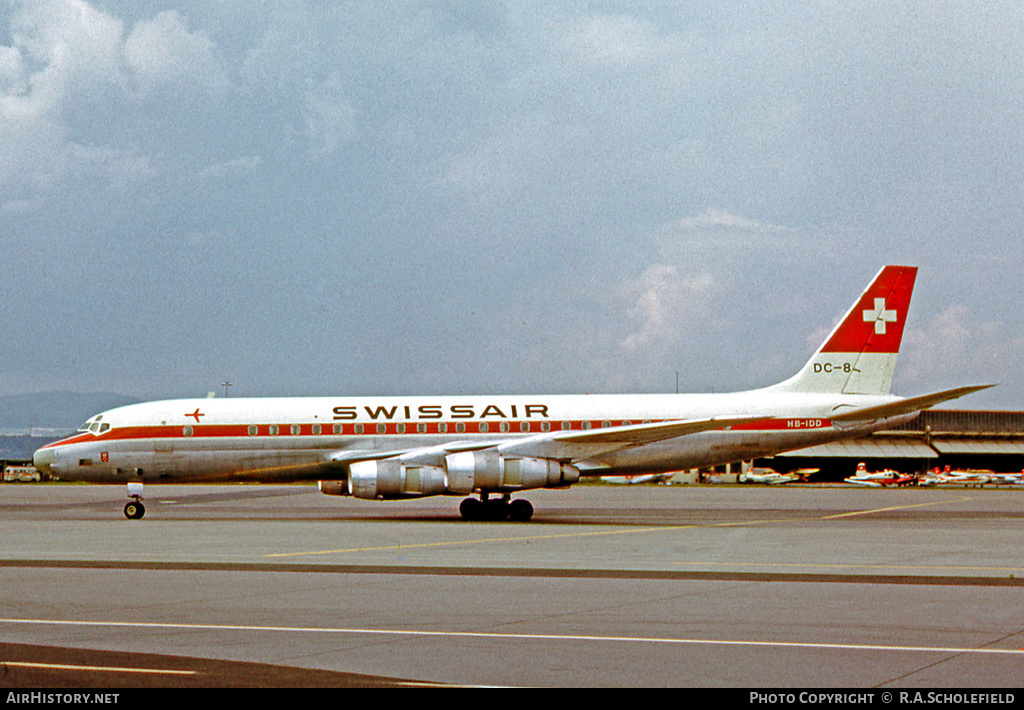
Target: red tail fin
pixel 875 322
pixel 859 356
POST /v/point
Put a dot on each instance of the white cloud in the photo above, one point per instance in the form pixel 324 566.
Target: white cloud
pixel 67 60
pixel 68 39
pixel 957 345
pixel 495 165
pixel 329 117
pixel 162 52
pixel 613 41
pixel 238 166
pixel 939 347
pixel 12 72
pixel 60 48
pixel 121 168
pixel 720 234
pixel 64 52
pixel 715 217
pixel 22 207
pixel 667 305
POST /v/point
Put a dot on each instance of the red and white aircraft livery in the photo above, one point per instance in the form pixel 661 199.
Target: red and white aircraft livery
pixel 408 447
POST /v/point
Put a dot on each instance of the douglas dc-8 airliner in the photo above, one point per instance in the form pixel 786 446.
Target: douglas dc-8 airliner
pixel 385 448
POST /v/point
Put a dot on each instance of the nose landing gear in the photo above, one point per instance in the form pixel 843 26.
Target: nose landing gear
pixel 134 509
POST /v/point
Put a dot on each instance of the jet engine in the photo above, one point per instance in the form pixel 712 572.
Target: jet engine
pixel 489 471
pixel 391 478
pixel 464 472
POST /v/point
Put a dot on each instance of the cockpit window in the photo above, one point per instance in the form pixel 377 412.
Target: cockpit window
pixel 95 426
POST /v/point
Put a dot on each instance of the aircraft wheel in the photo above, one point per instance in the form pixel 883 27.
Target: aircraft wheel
pixel 471 509
pixel 520 510
pixel 133 510
pixel 495 510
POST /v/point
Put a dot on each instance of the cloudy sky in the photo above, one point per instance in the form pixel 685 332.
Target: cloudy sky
pixel 445 197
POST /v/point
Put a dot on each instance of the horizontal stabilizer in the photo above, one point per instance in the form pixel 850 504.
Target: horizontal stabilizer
pixel 905 406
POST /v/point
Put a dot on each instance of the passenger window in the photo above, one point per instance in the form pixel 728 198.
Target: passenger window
pixel 275 430
pixel 187 431
pixel 359 428
pixel 382 428
pixel 316 429
pixel 296 429
pixel 482 427
pixel 524 426
pixel 460 428
pixel 253 430
pixel 421 428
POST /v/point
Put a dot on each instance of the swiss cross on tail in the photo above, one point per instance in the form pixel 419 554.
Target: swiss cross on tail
pixel 875 323
pixel 880 316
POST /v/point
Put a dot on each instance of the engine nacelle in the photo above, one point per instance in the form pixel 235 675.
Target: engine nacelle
pixel 333 488
pixel 391 478
pixel 469 471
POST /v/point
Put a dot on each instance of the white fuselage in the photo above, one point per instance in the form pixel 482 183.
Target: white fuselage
pixel 315 437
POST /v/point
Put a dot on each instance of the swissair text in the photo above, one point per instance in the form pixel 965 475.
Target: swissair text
pixel 437 411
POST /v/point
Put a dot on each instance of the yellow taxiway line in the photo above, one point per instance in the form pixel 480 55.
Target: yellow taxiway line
pixel 629 531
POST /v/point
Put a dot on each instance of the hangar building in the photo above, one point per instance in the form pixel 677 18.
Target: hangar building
pixel 937 438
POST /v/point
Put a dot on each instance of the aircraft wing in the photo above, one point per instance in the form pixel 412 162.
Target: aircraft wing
pixel 904 406
pixel 421 454
pixel 563 445
pixel 574 445
pixel 348 456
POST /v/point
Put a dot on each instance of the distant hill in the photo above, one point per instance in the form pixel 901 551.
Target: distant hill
pixel 52 414
pixel 20 448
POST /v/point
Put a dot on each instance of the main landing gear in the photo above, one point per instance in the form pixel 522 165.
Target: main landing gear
pixel 503 508
pixel 134 509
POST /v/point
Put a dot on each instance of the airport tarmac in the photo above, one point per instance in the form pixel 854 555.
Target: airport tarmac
pixel 727 586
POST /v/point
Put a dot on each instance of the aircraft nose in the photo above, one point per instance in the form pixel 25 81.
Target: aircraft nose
pixel 42 459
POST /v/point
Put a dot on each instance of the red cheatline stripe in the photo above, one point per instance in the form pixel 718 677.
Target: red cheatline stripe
pixel 393 428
